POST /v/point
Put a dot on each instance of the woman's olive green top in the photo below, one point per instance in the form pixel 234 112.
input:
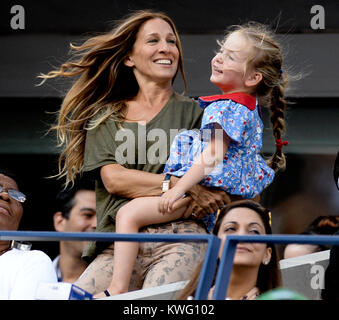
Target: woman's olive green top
pixel 137 146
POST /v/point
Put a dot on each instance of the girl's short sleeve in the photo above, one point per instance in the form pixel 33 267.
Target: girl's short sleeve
pixel 231 116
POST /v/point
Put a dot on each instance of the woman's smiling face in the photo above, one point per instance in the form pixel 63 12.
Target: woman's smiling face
pixel 155 54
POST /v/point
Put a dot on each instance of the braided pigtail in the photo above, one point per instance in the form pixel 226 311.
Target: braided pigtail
pixel 267 59
pixel 278 107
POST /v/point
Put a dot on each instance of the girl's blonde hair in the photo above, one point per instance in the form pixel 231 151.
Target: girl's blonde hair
pixel 266 58
pixel 103 85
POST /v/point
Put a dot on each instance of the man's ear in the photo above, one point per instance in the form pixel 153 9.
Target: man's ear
pixel 59 221
pixel 253 79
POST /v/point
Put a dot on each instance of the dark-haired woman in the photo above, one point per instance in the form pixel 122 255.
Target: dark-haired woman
pixel 255 265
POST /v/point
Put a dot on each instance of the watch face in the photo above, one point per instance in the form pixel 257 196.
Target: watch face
pixel 165 186
pixel 25 246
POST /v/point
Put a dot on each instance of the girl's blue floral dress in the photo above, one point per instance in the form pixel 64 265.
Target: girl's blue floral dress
pixel 243 171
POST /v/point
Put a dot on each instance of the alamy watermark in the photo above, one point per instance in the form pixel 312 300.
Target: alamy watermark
pixel 151 147
pixel 318 20
pixel 18 17
pixel 17 21
pixel 318 280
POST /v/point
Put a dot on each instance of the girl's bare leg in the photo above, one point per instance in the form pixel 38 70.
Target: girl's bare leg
pixel 130 218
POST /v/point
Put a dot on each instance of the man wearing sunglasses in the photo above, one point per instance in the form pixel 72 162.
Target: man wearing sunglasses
pixel 21 270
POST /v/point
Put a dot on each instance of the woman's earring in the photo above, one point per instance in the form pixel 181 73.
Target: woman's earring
pixel 266 262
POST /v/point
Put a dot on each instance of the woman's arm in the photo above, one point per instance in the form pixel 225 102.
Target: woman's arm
pixel 130 183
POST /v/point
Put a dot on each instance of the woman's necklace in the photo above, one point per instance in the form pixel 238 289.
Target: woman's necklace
pixel 250 295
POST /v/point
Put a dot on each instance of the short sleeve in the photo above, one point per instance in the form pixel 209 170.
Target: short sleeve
pixel 233 118
pixel 99 147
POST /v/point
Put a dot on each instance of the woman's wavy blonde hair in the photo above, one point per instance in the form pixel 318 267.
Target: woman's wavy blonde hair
pixel 103 85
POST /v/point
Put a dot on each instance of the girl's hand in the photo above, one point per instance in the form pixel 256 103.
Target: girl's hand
pixel 168 198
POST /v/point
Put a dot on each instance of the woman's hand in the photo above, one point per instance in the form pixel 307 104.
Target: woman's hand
pixel 205 200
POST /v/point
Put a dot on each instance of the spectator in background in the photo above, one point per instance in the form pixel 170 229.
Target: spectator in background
pixel 322 225
pixel 75 212
pixel 21 270
pixel 255 265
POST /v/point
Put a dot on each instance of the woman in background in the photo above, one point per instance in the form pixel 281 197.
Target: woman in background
pixel 255 265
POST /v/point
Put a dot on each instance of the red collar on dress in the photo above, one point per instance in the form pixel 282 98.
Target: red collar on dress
pixel 239 97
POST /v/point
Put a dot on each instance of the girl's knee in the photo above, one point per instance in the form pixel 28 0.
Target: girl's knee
pixel 119 214
pixel 124 214
pixel 126 220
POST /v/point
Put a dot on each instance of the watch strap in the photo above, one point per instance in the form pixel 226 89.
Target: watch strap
pixel 21 245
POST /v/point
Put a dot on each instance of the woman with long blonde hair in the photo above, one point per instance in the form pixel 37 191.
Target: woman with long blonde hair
pixel 116 124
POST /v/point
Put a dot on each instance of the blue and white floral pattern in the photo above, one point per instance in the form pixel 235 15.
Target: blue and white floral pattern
pixel 243 171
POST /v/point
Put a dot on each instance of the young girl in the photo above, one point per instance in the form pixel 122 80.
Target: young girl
pixel 225 152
